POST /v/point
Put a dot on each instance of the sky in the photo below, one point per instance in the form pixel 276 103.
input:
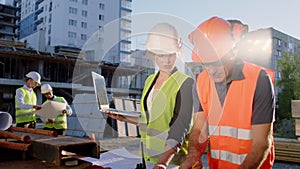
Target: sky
pixel 186 15
pixel 281 15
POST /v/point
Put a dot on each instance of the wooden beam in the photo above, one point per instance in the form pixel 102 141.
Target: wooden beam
pixel 15 146
pixel 36 131
pixel 6 134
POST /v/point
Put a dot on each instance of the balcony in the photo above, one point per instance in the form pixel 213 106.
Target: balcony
pixel 39 21
pixel 40 10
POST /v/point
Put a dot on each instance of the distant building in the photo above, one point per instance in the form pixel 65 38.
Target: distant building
pixel 66 25
pixel 265 46
pixel 9 21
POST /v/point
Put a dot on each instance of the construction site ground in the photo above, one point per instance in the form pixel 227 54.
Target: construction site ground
pixel 130 143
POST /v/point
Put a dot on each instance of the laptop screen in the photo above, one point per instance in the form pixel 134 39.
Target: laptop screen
pixel 100 91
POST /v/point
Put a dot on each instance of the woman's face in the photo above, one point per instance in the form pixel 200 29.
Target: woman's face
pixel 165 62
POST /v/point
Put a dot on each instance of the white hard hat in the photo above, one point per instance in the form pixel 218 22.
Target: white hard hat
pixel 163 39
pixel 34 76
pixel 46 88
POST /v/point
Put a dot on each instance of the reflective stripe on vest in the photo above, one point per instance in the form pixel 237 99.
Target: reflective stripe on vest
pixel 230 132
pixel 154 131
pixel 25 115
pixel 228 156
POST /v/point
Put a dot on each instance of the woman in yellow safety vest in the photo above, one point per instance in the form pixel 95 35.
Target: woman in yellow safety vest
pixel 166 103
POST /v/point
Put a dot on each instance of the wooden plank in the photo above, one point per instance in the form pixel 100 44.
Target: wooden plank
pixel 287 149
pixel 36 131
pixel 14 146
pixel 290 159
pixel 297 127
pixel 296 108
pixel 6 134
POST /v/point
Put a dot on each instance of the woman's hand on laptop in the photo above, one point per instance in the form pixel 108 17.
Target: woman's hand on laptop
pixel 114 116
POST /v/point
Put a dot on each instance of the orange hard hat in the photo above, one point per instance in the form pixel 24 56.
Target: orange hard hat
pixel 212 40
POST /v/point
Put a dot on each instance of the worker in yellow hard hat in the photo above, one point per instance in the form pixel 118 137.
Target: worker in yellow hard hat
pixel 58 124
pixel 26 101
pixel 236 102
pixel 167 101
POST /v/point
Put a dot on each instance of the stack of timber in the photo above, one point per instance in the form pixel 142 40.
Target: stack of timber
pixel 296 116
pixel 15 141
pixel 19 142
pixel 287 150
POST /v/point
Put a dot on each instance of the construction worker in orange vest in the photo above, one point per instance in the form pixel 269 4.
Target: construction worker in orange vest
pixel 237 103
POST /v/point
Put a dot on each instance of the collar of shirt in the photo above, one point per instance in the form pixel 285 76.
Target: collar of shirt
pixel 54 98
pixel 29 89
pixel 236 72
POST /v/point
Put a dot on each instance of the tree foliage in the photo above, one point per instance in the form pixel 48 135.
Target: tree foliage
pixel 288 83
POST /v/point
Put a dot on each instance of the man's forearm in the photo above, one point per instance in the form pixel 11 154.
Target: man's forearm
pixel 198 136
pixel 255 158
pixel 262 143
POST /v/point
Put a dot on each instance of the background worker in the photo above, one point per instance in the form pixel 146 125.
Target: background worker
pixel 237 103
pixel 166 103
pixel 59 124
pixel 26 101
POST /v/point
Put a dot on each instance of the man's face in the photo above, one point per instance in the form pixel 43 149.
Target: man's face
pixel 219 70
pixel 49 95
pixel 31 83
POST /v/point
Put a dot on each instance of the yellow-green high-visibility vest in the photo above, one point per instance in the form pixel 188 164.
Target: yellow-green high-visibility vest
pixel 60 122
pixel 154 131
pixel 25 115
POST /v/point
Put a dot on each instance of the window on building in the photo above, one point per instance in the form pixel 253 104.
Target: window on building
pixel 73 10
pixel 49 40
pixel 50 18
pixel 84 25
pixel 101 17
pixel 279 54
pixel 84 13
pixel 126 24
pixel 84 2
pixel 125 13
pixel 49 29
pixel 125 35
pixel 72 35
pixel 72 22
pixel 278 42
pixel 83 36
pixel 124 57
pixel 101 6
pixel 73 0
pixel 50 7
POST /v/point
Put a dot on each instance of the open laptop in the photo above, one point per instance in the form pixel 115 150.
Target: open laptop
pixel 102 99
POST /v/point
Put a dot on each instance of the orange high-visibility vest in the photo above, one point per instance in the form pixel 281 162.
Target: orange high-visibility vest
pixel 230 127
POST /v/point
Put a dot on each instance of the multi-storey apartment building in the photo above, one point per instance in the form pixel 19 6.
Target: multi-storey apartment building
pixel 266 46
pixel 54 25
pixel 9 21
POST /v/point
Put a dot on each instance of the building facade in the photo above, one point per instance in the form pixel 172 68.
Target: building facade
pixel 9 21
pixel 48 24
